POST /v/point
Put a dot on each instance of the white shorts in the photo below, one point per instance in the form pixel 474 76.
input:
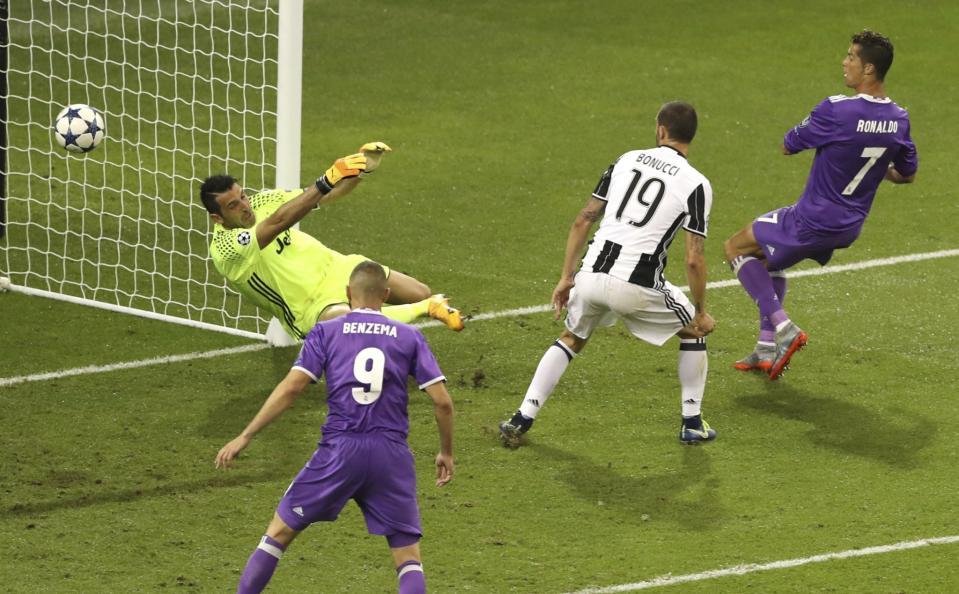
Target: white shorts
pixel 653 315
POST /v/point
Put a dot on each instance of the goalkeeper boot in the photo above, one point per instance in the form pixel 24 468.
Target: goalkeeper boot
pixel 695 431
pixel 789 341
pixel 439 309
pixel 511 431
pixel 760 359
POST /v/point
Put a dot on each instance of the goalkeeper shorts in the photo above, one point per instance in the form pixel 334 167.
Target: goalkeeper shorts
pixel 333 289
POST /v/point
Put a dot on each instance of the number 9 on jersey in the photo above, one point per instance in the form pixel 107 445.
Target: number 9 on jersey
pixel 368 369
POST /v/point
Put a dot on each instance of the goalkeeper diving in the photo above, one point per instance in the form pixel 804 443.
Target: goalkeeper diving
pixel 291 274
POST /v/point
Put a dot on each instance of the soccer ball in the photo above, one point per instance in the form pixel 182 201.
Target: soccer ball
pixel 79 128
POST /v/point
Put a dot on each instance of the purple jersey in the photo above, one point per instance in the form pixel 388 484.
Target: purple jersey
pixel 367 358
pixel 855 140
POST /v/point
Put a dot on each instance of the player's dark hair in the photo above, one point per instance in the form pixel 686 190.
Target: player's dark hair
pixel 679 119
pixel 876 49
pixel 369 278
pixel 213 186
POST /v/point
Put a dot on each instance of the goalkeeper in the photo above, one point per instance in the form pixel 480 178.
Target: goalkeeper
pixel 290 273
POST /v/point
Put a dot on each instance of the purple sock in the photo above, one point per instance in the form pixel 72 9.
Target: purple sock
pixel 412 580
pixel 755 279
pixel 767 331
pixel 259 569
pixel 779 284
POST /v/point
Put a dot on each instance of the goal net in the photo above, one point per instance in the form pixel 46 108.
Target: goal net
pixel 187 88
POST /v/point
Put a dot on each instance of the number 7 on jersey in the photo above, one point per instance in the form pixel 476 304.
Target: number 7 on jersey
pixel 872 153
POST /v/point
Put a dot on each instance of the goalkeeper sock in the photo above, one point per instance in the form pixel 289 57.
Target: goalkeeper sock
pixel 408 312
pixel 550 369
pixel 259 569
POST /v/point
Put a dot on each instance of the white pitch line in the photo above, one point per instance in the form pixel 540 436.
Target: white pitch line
pixel 670 580
pixel 522 311
pixel 519 311
pixel 38 377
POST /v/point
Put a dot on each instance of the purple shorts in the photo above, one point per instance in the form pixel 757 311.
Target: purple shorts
pixel 374 469
pixel 785 240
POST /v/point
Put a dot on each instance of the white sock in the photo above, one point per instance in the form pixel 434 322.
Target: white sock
pixel 550 369
pixel 693 365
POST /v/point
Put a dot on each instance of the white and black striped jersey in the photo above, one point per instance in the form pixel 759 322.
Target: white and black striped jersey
pixel 649 195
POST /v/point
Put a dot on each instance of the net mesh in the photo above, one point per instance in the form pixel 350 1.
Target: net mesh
pixel 187 88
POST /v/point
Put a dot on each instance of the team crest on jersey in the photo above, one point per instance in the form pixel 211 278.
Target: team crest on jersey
pixel 805 122
pixel 243 238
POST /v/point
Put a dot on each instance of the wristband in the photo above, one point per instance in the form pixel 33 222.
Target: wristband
pixel 323 186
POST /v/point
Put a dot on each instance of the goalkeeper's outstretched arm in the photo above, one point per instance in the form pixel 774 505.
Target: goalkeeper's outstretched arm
pixel 295 210
pixel 338 181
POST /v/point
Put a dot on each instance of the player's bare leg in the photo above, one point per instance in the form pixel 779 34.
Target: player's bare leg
pixel 409 568
pixel 408 312
pixel 334 311
pixel 262 563
pixel 746 259
pixel 414 299
pixel 548 373
pixel 406 289
pixel 279 531
pixel 743 243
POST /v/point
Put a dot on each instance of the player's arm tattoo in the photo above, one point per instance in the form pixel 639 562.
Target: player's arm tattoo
pixel 593 212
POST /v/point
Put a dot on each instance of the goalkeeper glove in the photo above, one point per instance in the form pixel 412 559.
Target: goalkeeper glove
pixel 376 147
pixel 374 152
pixel 349 166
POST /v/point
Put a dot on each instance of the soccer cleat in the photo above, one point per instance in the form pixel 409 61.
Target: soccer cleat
pixel 440 309
pixel 511 431
pixel 760 359
pixel 789 340
pixel 695 430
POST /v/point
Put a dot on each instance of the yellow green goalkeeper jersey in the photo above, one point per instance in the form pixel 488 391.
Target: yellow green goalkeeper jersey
pixel 286 278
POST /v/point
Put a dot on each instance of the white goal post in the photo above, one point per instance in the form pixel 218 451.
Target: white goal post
pixel 188 88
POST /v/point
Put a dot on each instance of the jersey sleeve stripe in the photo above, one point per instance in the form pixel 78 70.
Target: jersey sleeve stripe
pixel 696 205
pixel 602 188
pixel 435 380
pixel 306 371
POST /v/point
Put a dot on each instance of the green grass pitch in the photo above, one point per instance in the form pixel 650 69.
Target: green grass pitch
pixel 502 116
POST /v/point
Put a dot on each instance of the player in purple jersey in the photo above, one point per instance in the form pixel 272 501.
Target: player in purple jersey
pixel 859 141
pixel 363 454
